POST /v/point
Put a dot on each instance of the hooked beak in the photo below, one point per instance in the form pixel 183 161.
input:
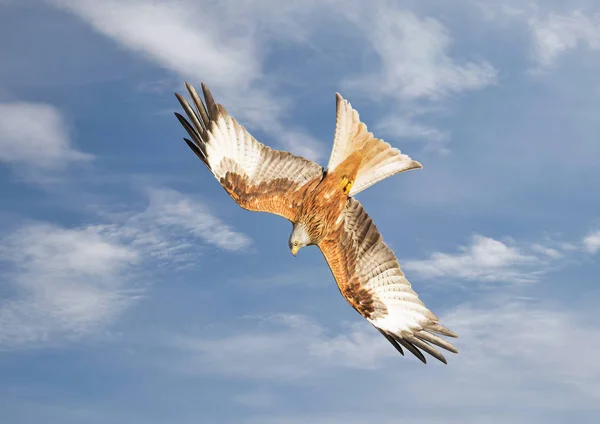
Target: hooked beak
pixel 295 250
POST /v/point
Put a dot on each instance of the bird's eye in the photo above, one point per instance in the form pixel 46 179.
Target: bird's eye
pixel 295 243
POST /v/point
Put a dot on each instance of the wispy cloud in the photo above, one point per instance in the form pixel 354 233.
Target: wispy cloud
pixel 172 222
pixel 489 260
pixel 513 355
pixel 503 337
pixel 547 250
pixel 261 348
pixel 555 28
pixel 36 135
pixel 513 333
pixel 591 242
pixel 183 45
pixel 557 34
pixel 206 41
pixel 415 63
pixel 67 283
pixel 230 48
pixel 414 67
pixel 403 127
pixel 496 11
pixel 486 259
pixel 72 282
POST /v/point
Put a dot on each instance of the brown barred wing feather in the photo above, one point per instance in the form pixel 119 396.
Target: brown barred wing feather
pixel 369 277
pixel 257 177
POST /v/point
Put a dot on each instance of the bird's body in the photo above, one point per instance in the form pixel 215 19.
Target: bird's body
pixel 329 195
pixel 326 193
pixel 323 211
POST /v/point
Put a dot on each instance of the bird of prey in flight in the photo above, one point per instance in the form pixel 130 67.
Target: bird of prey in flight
pixel 322 208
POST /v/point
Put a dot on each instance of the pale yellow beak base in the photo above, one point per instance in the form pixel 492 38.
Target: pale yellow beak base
pixel 295 250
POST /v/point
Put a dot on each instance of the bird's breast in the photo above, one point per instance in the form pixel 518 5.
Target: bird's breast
pixel 322 209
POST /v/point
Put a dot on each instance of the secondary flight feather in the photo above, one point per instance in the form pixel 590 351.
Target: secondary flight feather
pixel 323 211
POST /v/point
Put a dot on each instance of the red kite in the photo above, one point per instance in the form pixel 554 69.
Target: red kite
pixel 323 211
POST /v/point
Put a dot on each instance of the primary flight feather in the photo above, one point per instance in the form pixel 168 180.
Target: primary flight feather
pixel 321 207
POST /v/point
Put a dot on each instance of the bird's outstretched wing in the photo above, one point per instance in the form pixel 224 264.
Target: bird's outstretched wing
pixel 369 277
pixel 257 177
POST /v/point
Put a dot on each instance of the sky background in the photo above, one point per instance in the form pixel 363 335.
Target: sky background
pixel 133 289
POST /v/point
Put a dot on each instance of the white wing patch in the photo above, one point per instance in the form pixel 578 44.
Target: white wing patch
pixel 404 318
pixel 229 147
pixel 229 140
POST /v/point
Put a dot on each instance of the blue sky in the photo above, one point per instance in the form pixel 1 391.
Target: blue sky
pixel 134 290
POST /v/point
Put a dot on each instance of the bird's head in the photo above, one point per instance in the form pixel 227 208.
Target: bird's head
pixel 299 238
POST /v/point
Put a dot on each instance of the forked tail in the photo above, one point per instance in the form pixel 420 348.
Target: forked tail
pixel 379 159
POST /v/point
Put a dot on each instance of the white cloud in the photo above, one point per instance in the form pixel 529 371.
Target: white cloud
pixel 170 34
pixel 557 34
pixel 505 10
pixel 526 339
pixel 488 260
pixel 68 282
pixel 71 282
pixel 512 353
pixel 555 27
pixel 546 250
pixel 591 242
pixel 302 144
pixel 404 127
pixel 228 50
pixel 35 134
pixel 485 259
pixel 415 63
pixel 276 347
pixel 173 220
pixel 516 364
pixel 414 66
pixel 205 41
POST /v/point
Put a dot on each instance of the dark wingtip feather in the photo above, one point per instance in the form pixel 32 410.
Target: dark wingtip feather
pixel 199 105
pixel 411 349
pixel 392 341
pixel 197 151
pixel 180 98
pixel 186 125
pixel 211 105
pixel 191 114
pixel 419 342
pixel 192 132
pixel 427 348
